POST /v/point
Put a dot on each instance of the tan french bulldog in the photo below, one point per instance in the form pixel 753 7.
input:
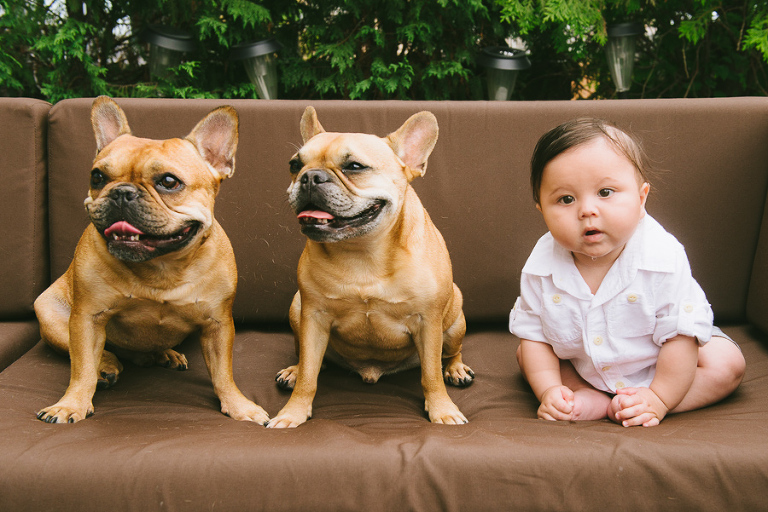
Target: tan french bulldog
pixel 153 267
pixel 376 289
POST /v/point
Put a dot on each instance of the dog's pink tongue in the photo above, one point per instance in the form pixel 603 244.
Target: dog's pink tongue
pixel 315 214
pixel 122 228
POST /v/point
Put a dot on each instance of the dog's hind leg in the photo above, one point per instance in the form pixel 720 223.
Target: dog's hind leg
pixel 53 308
pixel 109 370
pixel 455 372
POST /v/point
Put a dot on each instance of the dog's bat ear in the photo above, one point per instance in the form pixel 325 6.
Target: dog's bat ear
pixel 309 125
pixel 215 138
pixel 108 120
pixel 414 141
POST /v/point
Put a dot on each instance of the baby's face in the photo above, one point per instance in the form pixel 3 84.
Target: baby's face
pixel 592 201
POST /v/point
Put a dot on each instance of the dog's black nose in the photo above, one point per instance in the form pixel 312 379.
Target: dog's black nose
pixel 122 194
pixel 314 177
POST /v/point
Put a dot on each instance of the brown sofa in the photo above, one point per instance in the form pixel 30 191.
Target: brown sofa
pixel 158 440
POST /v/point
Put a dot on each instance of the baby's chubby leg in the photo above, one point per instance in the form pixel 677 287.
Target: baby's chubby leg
pixel 636 406
pixel 588 403
pixel 566 396
pixel 719 372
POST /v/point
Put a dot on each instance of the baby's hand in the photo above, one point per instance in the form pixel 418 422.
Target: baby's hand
pixel 638 406
pixel 556 404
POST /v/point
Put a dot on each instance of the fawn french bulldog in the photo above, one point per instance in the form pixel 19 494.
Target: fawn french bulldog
pixel 152 267
pixel 376 290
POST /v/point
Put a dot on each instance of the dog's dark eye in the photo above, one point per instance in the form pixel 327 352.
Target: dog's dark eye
pixel 296 165
pixel 168 182
pixel 353 167
pixel 98 179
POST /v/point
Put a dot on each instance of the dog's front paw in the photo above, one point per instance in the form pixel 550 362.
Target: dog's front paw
pixel 445 412
pixel 243 409
pixel 290 417
pixel 286 378
pixel 62 413
pixel 458 374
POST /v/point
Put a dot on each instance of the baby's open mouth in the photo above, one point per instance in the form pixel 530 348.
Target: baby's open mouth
pixel 593 235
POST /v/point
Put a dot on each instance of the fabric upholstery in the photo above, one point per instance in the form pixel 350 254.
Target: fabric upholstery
pixel 23 229
pixel 157 440
pixel 475 189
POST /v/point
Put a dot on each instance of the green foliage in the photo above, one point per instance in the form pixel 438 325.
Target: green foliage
pixel 692 48
pixel 382 49
pixel 377 49
pixel 704 51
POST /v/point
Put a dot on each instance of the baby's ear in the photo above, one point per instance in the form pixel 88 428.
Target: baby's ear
pixel 645 189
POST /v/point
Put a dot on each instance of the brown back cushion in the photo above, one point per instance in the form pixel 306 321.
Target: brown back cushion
pixel 710 193
pixel 23 203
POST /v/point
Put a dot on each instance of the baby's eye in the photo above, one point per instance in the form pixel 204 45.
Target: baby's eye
pixel 566 200
pixel 605 192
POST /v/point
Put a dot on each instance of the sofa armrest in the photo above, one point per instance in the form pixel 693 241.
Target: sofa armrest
pixel 757 300
pixel 24 203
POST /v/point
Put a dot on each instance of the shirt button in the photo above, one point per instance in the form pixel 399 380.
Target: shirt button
pixel 557 299
pixel 605 368
pixel 632 298
pixel 619 385
pixel 598 340
pixel 688 308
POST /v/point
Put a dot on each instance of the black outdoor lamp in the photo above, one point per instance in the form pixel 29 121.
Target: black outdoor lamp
pixel 166 46
pixel 502 64
pixel 260 60
pixel 620 51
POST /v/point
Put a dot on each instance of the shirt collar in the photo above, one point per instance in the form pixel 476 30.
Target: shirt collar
pixel 647 249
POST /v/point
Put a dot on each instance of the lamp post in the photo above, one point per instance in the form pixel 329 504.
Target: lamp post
pixel 502 64
pixel 260 60
pixel 620 51
pixel 166 46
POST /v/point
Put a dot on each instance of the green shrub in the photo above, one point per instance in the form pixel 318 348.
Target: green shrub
pixel 381 49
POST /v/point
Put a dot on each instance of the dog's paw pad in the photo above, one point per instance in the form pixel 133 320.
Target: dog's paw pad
pixel 446 414
pixel 171 359
pixel 106 380
pixel 246 410
pixel 44 416
pixel 460 376
pixel 286 379
pixel 60 414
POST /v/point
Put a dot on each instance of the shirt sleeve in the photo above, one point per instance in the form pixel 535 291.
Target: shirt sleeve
pixel 525 317
pixel 682 306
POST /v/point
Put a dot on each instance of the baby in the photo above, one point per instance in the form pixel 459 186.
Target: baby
pixel 610 319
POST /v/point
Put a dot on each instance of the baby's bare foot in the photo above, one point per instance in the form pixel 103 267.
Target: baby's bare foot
pixel 589 404
pixel 613 408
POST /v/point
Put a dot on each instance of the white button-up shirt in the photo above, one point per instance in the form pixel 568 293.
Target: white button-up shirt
pixel 613 337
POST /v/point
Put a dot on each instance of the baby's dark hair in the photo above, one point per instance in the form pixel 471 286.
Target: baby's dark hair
pixel 580 131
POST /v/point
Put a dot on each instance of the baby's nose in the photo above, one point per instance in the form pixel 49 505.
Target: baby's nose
pixel 588 209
